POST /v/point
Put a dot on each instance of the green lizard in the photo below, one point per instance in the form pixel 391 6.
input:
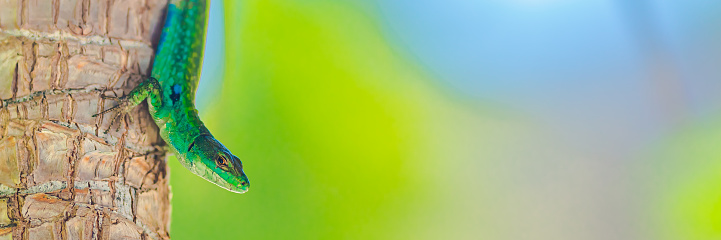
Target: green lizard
pixel 171 98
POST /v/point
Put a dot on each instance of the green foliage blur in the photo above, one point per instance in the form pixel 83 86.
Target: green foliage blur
pixel 331 125
pixel 344 137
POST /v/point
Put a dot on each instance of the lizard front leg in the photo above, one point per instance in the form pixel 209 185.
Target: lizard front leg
pixel 148 89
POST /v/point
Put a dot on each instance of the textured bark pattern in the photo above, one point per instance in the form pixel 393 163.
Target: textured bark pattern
pixel 61 176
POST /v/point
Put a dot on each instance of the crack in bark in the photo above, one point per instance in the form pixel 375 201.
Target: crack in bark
pixel 14 206
pixel 15 82
pixel 33 62
pixel 56 11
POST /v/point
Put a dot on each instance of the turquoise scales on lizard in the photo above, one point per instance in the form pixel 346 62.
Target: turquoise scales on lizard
pixel 171 98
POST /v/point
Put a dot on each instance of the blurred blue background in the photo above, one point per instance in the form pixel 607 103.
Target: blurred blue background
pixel 458 119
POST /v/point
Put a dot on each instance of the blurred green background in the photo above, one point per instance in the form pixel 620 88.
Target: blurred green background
pixel 519 119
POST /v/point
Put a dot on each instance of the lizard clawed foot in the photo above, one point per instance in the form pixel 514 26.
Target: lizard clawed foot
pixel 109 97
pixel 115 96
pixel 148 88
pixel 122 109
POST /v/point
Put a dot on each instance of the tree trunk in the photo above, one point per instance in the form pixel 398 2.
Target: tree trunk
pixel 61 176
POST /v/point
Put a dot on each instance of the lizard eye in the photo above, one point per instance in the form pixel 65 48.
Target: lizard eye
pixel 222 162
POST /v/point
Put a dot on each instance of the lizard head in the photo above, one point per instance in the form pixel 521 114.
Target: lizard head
pixel 213 162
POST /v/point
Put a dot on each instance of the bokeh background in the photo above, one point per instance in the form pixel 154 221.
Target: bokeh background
pixel 461 119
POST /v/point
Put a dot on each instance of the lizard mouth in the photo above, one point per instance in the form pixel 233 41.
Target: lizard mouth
pixel 241 187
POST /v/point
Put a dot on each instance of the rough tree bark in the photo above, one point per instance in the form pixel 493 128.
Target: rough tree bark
pixel 61 177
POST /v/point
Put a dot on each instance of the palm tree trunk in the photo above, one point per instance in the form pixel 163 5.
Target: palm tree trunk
pixel 61 176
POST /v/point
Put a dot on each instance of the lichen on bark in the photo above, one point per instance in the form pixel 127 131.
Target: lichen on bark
pixel 61 176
